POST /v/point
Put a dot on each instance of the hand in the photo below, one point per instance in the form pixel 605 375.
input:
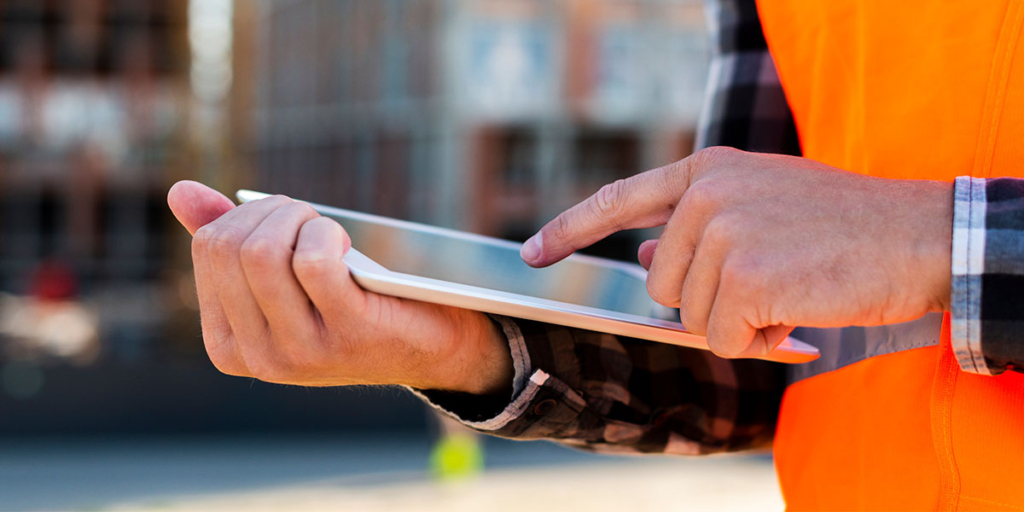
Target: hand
pixel 756 244
pixel 277 303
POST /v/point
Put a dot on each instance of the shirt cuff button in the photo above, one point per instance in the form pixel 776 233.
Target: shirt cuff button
pixel 544 406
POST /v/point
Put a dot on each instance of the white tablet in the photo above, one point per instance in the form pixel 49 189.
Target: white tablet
pixel 455 268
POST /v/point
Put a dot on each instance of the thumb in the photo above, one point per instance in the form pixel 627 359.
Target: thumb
pixel 645 254
pixel 196 205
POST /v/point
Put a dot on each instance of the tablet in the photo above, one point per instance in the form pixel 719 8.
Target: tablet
pixel 455 268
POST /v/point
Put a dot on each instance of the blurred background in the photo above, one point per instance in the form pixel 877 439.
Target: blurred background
pixel 484 115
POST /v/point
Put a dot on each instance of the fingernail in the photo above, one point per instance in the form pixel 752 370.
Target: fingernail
pixel 531 249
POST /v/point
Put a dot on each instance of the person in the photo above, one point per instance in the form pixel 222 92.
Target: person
pixel 895 242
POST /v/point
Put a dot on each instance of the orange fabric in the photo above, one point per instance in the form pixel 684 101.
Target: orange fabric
pixel 860 450
pixel 913 89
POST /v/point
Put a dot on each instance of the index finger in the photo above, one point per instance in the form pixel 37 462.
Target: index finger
pixel 641 201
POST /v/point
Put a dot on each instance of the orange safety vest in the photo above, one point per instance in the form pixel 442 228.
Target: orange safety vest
pixel 916 89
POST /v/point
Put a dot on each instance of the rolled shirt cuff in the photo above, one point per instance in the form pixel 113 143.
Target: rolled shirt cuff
pixel 968 258
pixel 542 405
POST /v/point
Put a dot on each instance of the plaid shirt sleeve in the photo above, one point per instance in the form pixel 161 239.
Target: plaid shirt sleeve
pixel 987 331
pixel 613 394
pixel 744 105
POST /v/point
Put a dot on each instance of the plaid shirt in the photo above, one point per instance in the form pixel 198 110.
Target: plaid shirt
pixel 613 394
pixel 988 273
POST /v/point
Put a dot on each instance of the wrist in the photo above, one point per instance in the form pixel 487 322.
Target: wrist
pixel 482 362
pixel 494 370
pixel 933 252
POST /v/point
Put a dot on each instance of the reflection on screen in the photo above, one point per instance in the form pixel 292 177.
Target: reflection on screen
pixel 497 266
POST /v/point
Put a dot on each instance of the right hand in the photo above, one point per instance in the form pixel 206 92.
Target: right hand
pixel 755 244
pixel 277 303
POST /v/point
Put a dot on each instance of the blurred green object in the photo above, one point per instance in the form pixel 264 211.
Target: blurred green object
pixel 456 457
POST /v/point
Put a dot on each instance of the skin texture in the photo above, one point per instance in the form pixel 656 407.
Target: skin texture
pixel 756 244
pixel 278 304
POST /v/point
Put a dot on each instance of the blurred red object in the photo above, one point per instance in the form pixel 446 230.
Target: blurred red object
pixel 53 280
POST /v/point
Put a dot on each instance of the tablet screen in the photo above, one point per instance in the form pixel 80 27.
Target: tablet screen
pixel 495 264
pixel 484 262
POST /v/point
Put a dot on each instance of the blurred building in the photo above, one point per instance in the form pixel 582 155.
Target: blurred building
pixel 487 115
pixel 92 105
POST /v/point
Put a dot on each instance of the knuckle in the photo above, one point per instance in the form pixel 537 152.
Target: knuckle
pixel 661 294
pixel 308 210
pixel 732 274
pixel 260 252
pixel 673 177
pixel 228 367
pixel 726 349
pixel 310 262
pixel 687 316
pixel 224 359
pixel 722 230
pixel 716 154
pixel 332 227
pixel 225 241
pixel 742 273
pixel 294 359
pixel 562 229
pixel 299 209
pixel 608 201
pixel 268 369
pixel 201 240
pixel 701 196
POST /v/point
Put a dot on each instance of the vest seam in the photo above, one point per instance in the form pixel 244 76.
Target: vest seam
pixel 943 386
pixel 984 500
pixel 995 97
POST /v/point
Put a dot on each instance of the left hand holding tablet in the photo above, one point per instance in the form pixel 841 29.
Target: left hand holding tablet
pixel 278 303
